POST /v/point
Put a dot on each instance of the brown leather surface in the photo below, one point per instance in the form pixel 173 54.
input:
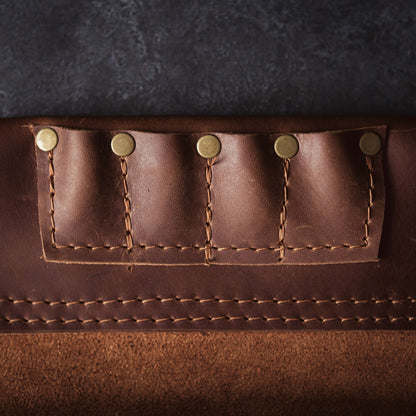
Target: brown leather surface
pixel 151 207
pixel 232 373
pixel 38 295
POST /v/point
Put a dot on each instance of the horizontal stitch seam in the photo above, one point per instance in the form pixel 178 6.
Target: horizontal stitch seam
pixel 178 246
pixel 202 300
pixel 282 319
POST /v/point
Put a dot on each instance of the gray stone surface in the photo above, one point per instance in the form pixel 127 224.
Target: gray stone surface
pixel 90 57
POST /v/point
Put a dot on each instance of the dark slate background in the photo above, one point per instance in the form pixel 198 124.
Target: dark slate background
pixel 71 57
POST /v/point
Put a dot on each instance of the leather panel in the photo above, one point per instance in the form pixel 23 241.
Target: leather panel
pixel 45 296
pixel 164 204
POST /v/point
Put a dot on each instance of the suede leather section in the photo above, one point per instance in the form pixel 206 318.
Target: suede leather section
pixel 41 296
pixel 235 373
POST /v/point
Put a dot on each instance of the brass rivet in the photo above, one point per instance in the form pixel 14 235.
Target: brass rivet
pixel 46 139
pixel 208 146
pixel 123 144
pixel 370 143
pixel 286 146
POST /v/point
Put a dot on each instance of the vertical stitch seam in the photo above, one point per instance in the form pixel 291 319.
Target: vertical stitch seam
pixel 127 205
pixel 208 211
pixel 52 196
pixel 283 213
pixel 370 200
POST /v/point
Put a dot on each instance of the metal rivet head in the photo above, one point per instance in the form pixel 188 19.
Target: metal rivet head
pixel 46 139
pixel 208 146
pixel 286 146
pixel 370 143
pixel 123 144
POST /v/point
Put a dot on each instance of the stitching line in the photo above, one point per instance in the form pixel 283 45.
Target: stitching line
pixel 208 210
pixel 202 300
pixel 127 205
pixel 208 246
pixel 235 248
pixel 51 197
pixel 283 213
pixel 282 319
pixel 370 200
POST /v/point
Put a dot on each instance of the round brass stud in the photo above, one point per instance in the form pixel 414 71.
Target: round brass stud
pixel 208 146
pixel 123 144
pixel 286 146
pixel 47 139
pixel 370 143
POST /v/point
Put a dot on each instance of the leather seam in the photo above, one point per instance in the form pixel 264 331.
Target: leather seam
pixel 370 201
pixel 283 213
pixel 208 210
pixel 202 300
pixel 339 319
pixel 235 248
pixel 51 197
pixel 127 205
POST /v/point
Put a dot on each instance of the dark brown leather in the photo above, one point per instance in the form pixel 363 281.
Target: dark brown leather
pixel 300 237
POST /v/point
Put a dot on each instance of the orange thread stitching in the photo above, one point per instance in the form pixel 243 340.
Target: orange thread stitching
pixel 51 197
pixel 283 213
pixel 202 300
pixel 178 246
pixel 370 201
pixel 127 205
pixel 282 319
pixel 208 210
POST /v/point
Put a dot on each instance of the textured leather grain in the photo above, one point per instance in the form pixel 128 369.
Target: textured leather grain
pixel 164 239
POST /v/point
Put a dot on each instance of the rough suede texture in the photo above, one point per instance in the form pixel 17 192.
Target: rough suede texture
pixel 235 373
pixel 65 57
